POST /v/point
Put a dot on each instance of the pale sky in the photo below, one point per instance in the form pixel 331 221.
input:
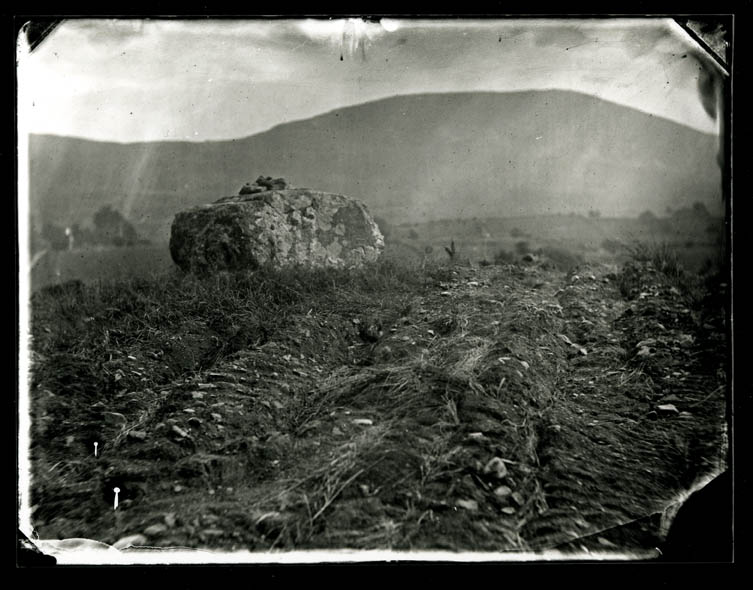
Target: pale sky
pixel 145 80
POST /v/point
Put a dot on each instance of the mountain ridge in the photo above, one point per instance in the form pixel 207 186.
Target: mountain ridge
pixel 409 157
pixel 356 105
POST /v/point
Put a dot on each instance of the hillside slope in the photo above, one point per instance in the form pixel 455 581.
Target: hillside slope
pixel 409 158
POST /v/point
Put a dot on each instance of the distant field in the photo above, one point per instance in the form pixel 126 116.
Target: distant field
pixel 596 240
pixel 89 265
pixel 475 240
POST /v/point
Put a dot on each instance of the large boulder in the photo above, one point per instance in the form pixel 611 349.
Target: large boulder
pixel 276 227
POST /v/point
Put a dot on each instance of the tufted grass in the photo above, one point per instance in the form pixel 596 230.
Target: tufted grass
pixel 91 326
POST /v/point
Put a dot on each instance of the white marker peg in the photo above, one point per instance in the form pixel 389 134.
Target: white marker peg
pixel 117 491
pixel 96 444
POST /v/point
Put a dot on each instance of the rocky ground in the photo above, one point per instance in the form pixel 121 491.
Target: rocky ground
pixel 500 408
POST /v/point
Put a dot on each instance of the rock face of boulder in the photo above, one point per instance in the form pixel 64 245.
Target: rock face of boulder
pixel 276 227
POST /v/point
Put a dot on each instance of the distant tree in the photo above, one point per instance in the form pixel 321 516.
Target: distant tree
pixel 647 216
pixel 594 213
pixel 413 234
pixel 110 227
pixel 516 232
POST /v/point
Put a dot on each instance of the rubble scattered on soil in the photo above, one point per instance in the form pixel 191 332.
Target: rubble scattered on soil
pixel 486 416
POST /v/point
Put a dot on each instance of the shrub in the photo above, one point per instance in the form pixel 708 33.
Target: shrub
pixel 661 255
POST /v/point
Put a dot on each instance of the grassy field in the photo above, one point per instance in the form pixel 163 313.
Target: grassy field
pixel 100 264
pixel 568 239
pixel 414 404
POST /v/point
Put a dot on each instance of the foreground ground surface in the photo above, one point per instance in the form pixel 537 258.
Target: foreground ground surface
pixel 502 408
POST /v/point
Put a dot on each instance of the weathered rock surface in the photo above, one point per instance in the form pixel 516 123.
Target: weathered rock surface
pixel 277 227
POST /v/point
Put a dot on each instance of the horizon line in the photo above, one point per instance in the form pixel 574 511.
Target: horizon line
pixel 358 104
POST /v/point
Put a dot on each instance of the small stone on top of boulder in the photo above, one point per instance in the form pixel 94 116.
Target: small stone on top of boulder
pixel 264 183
